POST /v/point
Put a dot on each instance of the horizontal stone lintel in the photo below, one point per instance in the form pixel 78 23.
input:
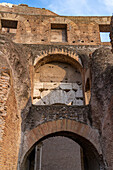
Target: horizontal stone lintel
pixel 56 85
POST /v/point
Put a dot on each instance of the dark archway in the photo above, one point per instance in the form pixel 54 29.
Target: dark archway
pixel 91 157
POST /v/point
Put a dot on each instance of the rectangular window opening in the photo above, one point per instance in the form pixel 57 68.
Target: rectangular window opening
pixel 9 26
pixel 104 33
pixel 104 36
pixel 58 32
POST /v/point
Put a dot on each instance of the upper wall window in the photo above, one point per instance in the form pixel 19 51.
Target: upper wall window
pixel 58 32
pixel 9 26
pixel 104 33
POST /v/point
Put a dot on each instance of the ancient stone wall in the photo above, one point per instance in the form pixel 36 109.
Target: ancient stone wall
pixel 4 92
pixel 111 32
pixel 73 113
pixel 101 100
pixel 45 29
pixel 9 121
pixel 10 118
pixel 24 9
pixel 54 63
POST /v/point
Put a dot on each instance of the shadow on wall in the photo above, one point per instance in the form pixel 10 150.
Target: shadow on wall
pixel 56 153
pixel 57 83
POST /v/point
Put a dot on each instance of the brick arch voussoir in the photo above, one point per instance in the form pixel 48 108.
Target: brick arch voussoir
pixel 68 125
pixel 62 51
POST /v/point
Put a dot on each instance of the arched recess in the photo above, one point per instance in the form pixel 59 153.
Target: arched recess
pixel 84 135
pixel 87 86
pixel 87 91
pixel 66 78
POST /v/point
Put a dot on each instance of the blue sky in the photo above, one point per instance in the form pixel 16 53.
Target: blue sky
pixel 71 7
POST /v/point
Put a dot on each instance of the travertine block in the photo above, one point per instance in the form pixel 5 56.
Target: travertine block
pixel 74 101
pixel 79 93
pixel 70 97
pixel 58 96
pixel 38 102
pixel 75 86
pixel 79 102
pixel 45 93
pixel 51 86
pixel 38 85
pixel 66 86
pixel 36 93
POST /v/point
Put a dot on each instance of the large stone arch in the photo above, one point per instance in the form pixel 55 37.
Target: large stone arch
pixel 62 51
pixel 85 135
pixel 53 88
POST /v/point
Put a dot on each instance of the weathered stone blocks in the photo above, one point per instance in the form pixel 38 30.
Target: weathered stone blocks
pixel 57 93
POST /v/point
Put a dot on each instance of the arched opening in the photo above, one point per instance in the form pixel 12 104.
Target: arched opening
pixel 58 79
pixel 62 151
pixel 87 91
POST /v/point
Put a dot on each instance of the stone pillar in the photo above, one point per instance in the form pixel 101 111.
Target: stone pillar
pixel 102 101
pixel 38 157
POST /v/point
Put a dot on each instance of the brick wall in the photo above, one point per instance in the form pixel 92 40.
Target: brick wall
pixel 61 153
pixel 9 123
pixel 4 92
pixel 38 121
pixel 36 29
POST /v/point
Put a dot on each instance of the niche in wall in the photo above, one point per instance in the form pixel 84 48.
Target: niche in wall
pixel 57 83
pixel 58 32
pixel 9 26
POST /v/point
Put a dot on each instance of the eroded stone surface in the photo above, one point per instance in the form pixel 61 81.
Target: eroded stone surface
pixel 4 92
pixel 43 73
pixel 57 83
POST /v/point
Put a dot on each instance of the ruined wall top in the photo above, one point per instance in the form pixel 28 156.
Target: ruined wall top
pixel 24 9
pixel 29 25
